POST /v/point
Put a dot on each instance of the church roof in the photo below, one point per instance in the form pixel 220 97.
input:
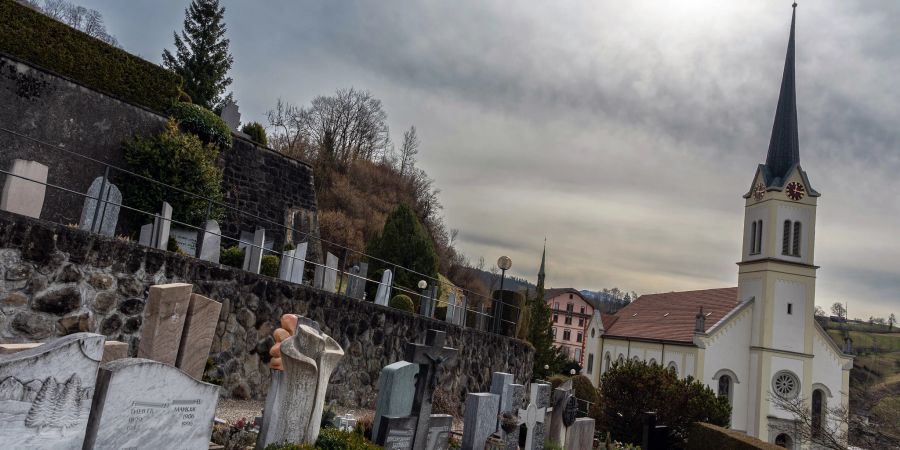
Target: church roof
pixel 672 316
pixel 784 145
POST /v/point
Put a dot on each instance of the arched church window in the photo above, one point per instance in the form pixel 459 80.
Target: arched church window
pixel 652 361
pixel 725 387
pixel 753 238
pixel 795 247
pixel 593 332
pixel 783 440
pixel 673 366
pixel 607 360
pixel 759 235
pixel 621 358
pixel 786 238
pixel 785 384
pixel 635 359
pixel 818 405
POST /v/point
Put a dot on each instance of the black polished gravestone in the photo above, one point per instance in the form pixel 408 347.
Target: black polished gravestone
pixel 439 432
pixel 397 433
pixel 430 356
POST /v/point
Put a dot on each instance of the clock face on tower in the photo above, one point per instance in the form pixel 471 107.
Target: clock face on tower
pixel 759 191
pixel 795 191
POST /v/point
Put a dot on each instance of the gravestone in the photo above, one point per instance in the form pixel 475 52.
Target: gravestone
pixel 562 397
pixel 396 386
pixel 144 404
pixel 309 357
pixel 199 331
pixel 231 115
pixel 451 308
pixel 481 319
pixel 46 393
pixel 384 288
pixel 534 416
pixel 211 243
pixel 461 311
pixel 253 253
pixel 292 263
pixel 146 236
pixel 356 280
pixel 113 350
pixel 330 278
pixel 186 239
pixel 512 398
pixel 426 304
pixel 101 218
pixel 162 224
pixel 438 437
pixel 480 420
pixel 430 357
pixel 163 322
pixel 21 195
pixel 396 433
pixel 580 434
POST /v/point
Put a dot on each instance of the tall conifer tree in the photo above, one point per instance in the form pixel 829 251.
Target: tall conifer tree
pixel 540 331
pixel 201 54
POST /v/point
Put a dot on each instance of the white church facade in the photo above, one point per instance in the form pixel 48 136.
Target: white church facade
pixel 759 339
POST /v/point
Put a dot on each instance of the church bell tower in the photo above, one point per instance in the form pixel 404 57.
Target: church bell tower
pixel 776 269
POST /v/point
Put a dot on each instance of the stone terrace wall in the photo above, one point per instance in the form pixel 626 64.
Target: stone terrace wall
pixel 59 111
pixel 57 279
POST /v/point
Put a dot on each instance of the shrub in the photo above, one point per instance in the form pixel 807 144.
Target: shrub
pixel 268 266
pixel 629 389
pixel 704 435
pixel 513 304
pixel 584 389
pixel 402 302
pixel 557 380
pixel 208 126
pixel 38 39
pixel 256 132
pixel 334 439
pixel 232 256
pixel 172 245
pixel 176 159
pixel 405 242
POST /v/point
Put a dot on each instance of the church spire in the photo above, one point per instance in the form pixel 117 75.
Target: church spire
pixel 784 147
pixel 541 274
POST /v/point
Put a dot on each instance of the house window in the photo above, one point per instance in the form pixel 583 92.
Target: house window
pixel 567 335
pixel 570 296
pixel 578 337
pixel 580 322
pixel 556 318
pixel 590 364
pixel 570 308
pixel 582 309
pixel 577 355
pixel 790 308
pixel 568 320
pixel 556 306
pixel 553 332
pixel 725 387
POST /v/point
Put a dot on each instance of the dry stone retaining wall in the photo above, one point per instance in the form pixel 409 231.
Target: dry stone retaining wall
pixel 57 280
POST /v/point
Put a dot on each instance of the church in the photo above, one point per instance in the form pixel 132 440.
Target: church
pixel 759 339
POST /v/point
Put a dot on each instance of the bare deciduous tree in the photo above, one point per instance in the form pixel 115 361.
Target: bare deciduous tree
pixel 90 21
pixel 409 150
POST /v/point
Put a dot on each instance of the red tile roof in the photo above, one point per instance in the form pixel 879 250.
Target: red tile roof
pixel 608 320
pixel 671 316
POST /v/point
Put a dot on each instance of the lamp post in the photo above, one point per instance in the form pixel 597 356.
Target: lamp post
pixel 504 263
pixel 422 286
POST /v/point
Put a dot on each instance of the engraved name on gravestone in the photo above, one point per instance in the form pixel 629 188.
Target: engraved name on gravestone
pixel 101 218
pixel 46 393
pixel 21 195
pixel 144 404
pixel 186 239
pixel 438 437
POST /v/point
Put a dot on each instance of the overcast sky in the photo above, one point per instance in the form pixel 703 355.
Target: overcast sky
pixel 625 132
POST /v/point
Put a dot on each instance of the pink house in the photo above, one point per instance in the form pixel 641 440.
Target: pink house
pixel 571 315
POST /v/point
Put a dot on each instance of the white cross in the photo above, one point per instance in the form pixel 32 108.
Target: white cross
pixel 531 416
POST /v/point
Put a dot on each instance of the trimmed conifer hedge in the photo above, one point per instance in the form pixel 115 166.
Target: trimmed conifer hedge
pixel 28 35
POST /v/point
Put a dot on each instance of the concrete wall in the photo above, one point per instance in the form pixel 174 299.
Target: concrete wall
pixel 56 280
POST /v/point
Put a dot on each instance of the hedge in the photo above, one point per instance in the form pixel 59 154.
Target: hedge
pixel 35 38
pixel 703 436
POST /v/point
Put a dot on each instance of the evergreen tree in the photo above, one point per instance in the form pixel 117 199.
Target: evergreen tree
pixel 43 412
pixel 201 54
pixel 406 243
pixel 68 403
pixel 540 330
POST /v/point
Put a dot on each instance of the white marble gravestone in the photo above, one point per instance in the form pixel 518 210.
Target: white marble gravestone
pixel 101 218
pixel 144 404
pixel 329 280
pixel 186 239
pixel 309 357
pixel 384 289
pixel 46 392
pixel 534 416
pixel 21 195
pixel 253 253
pixel 356 280
pixel 212 242
pixel 292 264
pixel 162 225
pixel 146 236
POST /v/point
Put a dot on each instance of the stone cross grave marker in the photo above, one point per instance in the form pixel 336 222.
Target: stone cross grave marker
pixel 512 399
pixel 46 393
pixel 329 279
pixel 534 415
pixel 430 357
pixel 253 253
pixel 309 356
pixel 562 396
pixel 162 224
pixel 101 218
pixel 384 288
pixel 211 242
pixel 480 420
pixel 199 331
pixel 356 280
pixel 396 386
pixel 144 404
pixel 163 324
pixel 21 195
pixel 580 434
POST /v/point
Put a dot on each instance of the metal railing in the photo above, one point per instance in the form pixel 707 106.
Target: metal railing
pixel 462 313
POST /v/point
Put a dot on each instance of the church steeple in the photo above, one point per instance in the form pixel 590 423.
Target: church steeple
pixel 541 274
pixel 784 146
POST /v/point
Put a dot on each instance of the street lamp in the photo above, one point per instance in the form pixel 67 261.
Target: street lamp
pixel 504 263
pixel 422 285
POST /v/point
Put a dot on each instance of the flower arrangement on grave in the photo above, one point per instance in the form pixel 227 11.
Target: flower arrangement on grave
pixel 509 422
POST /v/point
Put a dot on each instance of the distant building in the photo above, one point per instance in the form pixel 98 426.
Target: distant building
pixel 571 315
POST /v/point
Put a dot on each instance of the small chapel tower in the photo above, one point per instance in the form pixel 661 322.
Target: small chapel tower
pixel 777 269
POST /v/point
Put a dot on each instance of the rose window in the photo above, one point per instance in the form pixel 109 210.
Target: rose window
pixel 786 384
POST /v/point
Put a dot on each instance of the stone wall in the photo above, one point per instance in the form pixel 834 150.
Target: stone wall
pixel 57 280
pixel 50 108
